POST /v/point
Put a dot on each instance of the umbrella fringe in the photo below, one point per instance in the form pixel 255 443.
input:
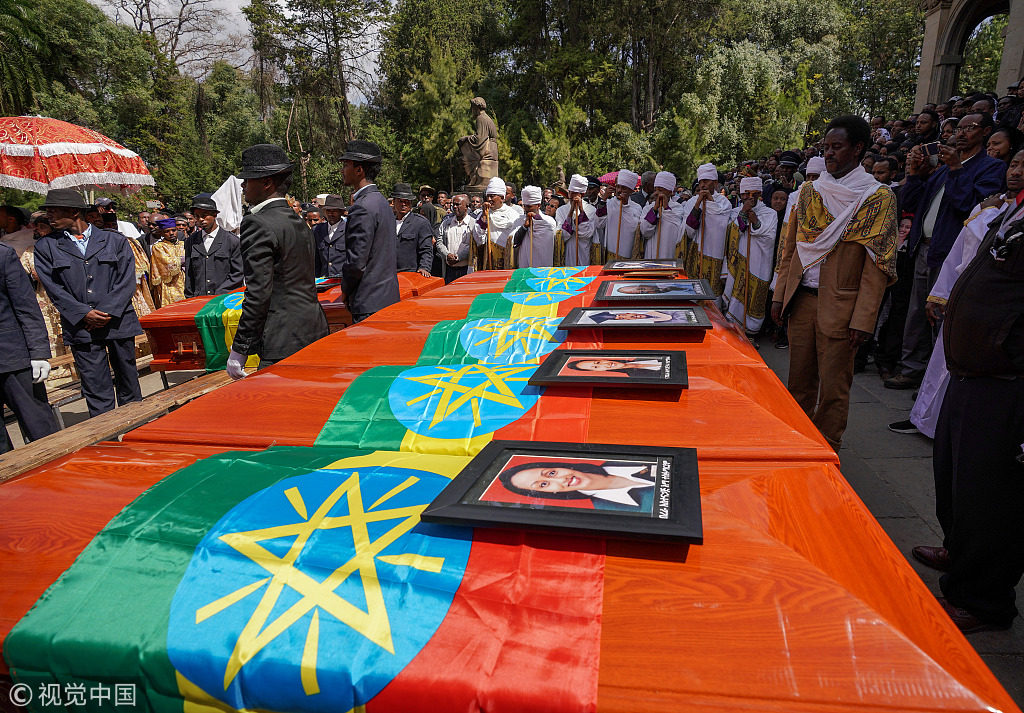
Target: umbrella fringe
pixel 64 147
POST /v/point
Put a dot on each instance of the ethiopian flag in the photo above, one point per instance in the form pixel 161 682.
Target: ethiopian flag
pixel 217 322
pixel 517 305
pixel 548 279
pixel 301 579
pixel 492 340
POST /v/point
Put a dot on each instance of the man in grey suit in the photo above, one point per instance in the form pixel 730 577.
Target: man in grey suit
pixel 280 314
pixel 89 275
pixel 213 256
pixel 370 277
pixel 415 233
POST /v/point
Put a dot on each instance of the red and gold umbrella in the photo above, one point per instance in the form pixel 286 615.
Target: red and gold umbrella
pixel 39 154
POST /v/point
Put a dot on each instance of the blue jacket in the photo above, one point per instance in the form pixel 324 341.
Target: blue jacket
pixel 979 178
pixel 330 255
pixel 103 279
pixel 22 330
pixel 370 276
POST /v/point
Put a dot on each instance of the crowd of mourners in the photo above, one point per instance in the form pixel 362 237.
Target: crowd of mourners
pixel 895 243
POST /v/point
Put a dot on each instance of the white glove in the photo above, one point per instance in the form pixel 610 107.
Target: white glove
pixel 40 370
pixel 236 365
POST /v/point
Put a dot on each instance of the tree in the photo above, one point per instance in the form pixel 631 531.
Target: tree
pixel 19 41
pixel 984 52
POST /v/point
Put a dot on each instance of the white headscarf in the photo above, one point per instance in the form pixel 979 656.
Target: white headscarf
pixel 578 184
pixel 816 165
pixel 665 180
pixel 751 183
pixel 707 172
pixel 495 187
pixel 627 179
pixel 531 195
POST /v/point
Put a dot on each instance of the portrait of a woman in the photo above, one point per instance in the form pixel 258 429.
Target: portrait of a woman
pixel 613 366
pixel 613 485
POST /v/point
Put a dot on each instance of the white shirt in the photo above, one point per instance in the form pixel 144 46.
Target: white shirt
pixel 127 229
pixel 621 495
pixel 456 233
pixel 261 206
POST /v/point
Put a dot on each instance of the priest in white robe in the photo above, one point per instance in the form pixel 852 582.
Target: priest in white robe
pixel 707 215
pixel 620 218
pixel 534 236
pixel 749 260
pixel 662 225
pixel 490 249
pixel 576 221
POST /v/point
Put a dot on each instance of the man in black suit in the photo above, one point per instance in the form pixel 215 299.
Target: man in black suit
pixel 415 249
pixel 89 275
pixel 330 239
pixel 369 277
pixel 213 256
pixel 280 314
pixel 646 188
pixel 24 349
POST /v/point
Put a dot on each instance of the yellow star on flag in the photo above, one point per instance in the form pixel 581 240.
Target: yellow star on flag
pixel 454 394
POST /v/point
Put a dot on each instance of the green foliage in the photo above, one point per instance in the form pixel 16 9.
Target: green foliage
pixel 984 52
pixel 19 41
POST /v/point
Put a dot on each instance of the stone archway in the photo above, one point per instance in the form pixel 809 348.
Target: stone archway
pixel 948 24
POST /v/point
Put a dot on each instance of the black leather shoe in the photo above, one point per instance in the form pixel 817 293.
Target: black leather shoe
pixel 935 557
pixel 966 622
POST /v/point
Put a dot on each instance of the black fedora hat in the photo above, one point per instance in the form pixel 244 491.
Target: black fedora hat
pixel 264 160
pixel 64 198
pixel 357 150
pixel 790 158
pixel 403 191
pixel 205 201
pixel 334 202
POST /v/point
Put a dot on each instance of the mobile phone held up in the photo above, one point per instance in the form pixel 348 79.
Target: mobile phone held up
pixel 931 149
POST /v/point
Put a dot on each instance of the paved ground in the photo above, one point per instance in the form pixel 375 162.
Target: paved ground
pixel 891 472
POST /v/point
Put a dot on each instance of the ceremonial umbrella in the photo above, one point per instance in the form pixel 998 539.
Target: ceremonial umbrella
pixel 609 178
pixel 39 154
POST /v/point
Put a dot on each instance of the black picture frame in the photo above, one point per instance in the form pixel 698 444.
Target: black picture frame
pixel 654 291
pixel 672 374
pixel 643 265
pixel 674 516
pixel 580 318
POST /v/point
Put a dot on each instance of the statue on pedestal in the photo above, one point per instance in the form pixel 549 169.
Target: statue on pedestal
pixel 480 151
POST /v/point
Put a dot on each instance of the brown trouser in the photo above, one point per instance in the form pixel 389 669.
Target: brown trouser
pixel 820 369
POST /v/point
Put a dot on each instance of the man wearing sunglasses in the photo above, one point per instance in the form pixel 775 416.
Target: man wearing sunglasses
pixel 943 185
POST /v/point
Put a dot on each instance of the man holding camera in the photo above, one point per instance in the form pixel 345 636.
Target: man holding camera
pixel 943 185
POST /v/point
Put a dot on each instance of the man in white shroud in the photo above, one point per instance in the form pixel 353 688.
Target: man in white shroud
pixel 493 228
pixel 662 224
pixel 576 221
pixel 707 215
pixel 749 258
pixel 534 237
pixel 620 218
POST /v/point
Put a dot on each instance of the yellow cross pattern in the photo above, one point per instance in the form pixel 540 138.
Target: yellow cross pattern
pixel 455 395
pixel 544 297
pixel 316 596
pixel 508 333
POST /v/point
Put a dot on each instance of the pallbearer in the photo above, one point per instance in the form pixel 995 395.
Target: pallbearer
pixel 621 219
pixel 534 239
pixel 707 219
pixel 749 262
pixel 213 256
pixel 493 228
pixel 576 221
pixel 662 225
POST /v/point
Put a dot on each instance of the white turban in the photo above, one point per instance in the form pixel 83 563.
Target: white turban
pixel 707 172
pixel 495 187
pixel 578 184
pixel 627 178
pixel 750 184
pixel 531 195
pixel 816 165
pixel 665 180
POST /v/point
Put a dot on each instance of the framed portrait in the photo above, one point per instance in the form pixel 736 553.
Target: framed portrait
pixel 634 492
pixel 611 367
pixel 636 318
pixel 649 291
pixel 642 265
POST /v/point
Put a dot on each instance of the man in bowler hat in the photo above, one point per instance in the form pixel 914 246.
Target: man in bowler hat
pixel 415 233
pixel 213 256
pixel 89 275
pixel 370 275
pixel 24 349
pixel 330 238
pixel 280 314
